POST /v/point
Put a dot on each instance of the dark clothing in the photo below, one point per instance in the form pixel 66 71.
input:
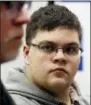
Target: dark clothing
pixel 5 98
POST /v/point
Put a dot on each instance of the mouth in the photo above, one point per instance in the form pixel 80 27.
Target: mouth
pixel 59 70
pixel 15 37
pixel 18 37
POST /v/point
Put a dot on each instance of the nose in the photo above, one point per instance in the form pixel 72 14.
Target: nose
pixel 59 56
pixel 22 17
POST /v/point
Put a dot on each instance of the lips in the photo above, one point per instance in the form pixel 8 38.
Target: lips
pixel 14 35
pixel 60 70
pixel 18 37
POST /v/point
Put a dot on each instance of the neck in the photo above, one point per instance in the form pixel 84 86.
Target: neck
pixel 64 97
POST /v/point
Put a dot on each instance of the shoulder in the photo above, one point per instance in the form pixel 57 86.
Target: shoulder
pixel 22 100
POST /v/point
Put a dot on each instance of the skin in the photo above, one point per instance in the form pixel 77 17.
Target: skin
pixel 40 67
pixel 11 32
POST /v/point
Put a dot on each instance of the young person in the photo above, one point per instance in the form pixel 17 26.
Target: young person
pixel 52 55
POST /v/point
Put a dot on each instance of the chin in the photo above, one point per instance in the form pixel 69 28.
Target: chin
pixel 59 83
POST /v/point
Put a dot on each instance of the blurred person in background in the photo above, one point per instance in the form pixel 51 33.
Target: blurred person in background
pixel 13 14
pixel 52 55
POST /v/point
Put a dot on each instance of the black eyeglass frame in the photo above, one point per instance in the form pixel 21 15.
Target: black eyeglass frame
pixel 55 49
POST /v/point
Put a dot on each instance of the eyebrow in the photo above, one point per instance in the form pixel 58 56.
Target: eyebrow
pixel 73 44
pixel 47 42
pixel 53 43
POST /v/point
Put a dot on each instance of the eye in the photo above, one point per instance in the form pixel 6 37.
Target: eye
pixel 47 48
pixel 71 50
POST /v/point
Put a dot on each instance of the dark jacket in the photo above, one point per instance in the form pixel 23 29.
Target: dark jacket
pixel 5 98
pixel 25 92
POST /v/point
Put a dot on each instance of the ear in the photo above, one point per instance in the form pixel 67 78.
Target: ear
pixel 26 53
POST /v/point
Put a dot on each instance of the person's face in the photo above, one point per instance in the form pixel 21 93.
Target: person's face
pixel 11 19
pixel 53 70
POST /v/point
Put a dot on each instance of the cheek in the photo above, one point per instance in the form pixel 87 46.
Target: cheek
pixel 5 28
pixel 4 24
pixel 74 65
pixel 38 64
pixel 35 60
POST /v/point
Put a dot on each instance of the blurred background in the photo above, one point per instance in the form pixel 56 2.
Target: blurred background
pixel 82 10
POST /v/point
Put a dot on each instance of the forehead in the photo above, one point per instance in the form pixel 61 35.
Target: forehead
pixel 58 35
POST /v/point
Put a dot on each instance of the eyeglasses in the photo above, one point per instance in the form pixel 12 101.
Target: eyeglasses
pixel 69 49
pixel 17 4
